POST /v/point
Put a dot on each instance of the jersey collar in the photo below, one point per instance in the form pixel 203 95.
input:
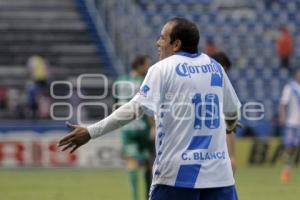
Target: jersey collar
pixel 191 55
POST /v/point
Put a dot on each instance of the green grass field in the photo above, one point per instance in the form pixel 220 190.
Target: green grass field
pixel 253 183
pixel 78 184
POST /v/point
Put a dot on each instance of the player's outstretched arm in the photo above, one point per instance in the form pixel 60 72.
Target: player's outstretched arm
pixel 81 135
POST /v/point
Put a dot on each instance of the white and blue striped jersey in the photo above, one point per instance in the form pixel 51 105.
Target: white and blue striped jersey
pixel 291 98
pixel 188 94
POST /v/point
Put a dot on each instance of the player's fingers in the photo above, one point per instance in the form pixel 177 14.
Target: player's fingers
pixel 64 143
pixel 66 139
pixel 68 146
pixel 71 126
pixel 74 149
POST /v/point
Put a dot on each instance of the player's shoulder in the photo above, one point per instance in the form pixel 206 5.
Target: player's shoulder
pixel 201 58
pixel 160 65
pixel 292 85
pixel 164 62
pixel 205 57
pixel 170 60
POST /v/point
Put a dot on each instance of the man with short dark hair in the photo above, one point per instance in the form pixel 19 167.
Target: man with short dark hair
pixel 188 93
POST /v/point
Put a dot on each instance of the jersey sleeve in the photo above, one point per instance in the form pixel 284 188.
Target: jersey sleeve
pixel 286 95
pixel 149 95
pixel 231 101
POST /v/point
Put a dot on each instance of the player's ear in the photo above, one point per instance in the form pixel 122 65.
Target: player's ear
pixel 177 45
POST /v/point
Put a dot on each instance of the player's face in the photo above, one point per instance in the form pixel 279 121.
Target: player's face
pixel 165 49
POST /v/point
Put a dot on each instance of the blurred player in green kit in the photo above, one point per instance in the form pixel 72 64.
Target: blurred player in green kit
pixel 137 145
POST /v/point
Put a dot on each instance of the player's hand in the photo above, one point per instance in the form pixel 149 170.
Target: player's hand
pixel 78 137
pixel 238 125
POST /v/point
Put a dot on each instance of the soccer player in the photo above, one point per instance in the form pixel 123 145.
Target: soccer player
pixel 136 135
pixel 189 94
pixel 289 116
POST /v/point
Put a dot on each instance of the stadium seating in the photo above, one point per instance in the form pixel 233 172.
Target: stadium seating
pixel 245 30
pixel 53 29
pixel 63 33
pixel 58 30
pixel 248 36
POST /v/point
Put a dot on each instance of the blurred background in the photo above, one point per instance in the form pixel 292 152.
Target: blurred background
pixel 47 45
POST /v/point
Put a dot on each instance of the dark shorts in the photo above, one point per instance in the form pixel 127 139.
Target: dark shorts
pixel 164 192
